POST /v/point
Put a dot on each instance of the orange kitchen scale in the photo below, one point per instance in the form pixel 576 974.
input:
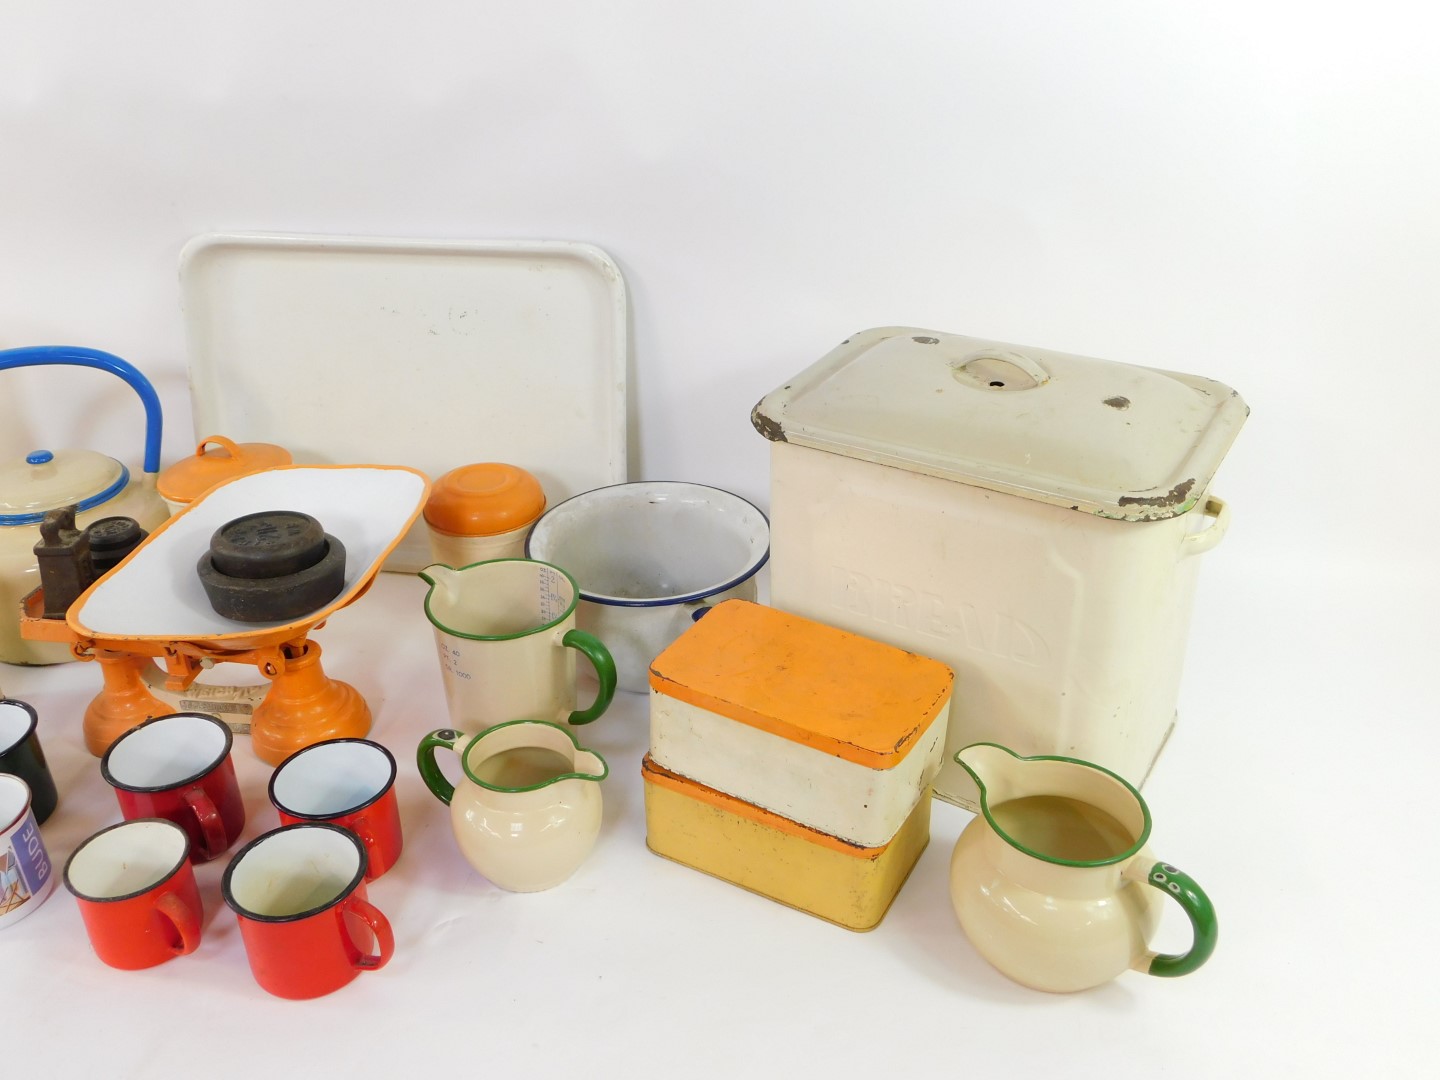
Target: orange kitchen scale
pixel 152 607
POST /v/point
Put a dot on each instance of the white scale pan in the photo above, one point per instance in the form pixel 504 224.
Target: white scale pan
pixel 155 594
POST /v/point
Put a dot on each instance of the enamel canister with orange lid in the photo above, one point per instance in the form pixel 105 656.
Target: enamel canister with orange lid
pixel 216 460
pixel 482 511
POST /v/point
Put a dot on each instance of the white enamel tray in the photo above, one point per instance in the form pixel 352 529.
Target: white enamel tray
pixel 424 353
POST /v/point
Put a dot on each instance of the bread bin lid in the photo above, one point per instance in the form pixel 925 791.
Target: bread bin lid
pixel 484 499
pixel 828 689
pixel 48 480
pixel 191 477
pixel 1119 441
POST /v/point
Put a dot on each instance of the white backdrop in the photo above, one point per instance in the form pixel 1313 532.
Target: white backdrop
pixel 1241 190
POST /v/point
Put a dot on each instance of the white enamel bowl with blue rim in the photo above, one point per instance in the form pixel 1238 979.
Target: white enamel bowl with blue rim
pixel 650 558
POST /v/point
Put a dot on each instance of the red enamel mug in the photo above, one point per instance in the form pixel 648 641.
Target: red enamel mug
pixel 178 767
pixel 299 894
pixel 137 893
pixel 346 782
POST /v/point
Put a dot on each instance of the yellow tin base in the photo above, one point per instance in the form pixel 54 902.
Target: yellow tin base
pixel 771 855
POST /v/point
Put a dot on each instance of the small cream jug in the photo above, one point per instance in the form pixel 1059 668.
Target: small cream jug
pixel 527 809
pixel 1052 881
pixel 505 632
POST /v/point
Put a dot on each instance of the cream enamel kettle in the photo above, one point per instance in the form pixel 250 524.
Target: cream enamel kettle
pixel 100 486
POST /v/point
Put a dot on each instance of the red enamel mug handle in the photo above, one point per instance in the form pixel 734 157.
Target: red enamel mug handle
pixel 185 921
pixel 384 938
pixel 361 828
pixel 211 826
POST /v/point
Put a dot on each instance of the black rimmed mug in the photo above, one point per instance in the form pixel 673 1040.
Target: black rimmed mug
pixel 137 893
pixel 22 756
pixel 345 782
pixel 178 767
pixel 298 893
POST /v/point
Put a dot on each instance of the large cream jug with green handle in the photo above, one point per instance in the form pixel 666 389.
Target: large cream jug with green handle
pixel 1053 882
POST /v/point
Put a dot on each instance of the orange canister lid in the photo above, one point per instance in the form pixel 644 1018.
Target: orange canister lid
pixel 849 696
pixel 484 500
pixel 187 480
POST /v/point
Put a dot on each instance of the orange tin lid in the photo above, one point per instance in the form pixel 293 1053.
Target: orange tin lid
pixel 188 479
pixel 484 499
pixel 829 689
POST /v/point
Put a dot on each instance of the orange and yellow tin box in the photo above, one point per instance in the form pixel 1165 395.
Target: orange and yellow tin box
pixel 794 759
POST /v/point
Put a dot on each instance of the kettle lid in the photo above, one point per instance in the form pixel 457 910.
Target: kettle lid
pixel 46 480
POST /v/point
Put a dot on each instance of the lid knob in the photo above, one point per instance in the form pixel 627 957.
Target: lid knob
pixel 1000 369
pixel 39 457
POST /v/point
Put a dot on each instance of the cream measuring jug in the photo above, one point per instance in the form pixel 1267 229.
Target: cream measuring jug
pixel 505 632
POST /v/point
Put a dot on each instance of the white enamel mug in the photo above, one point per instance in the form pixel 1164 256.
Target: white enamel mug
pixel 27 876
pixel 505 631
pixel 650 559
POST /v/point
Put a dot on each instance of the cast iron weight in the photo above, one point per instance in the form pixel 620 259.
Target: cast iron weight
pixel 271 566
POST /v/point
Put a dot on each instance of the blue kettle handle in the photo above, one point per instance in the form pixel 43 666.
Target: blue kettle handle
pixel 41 355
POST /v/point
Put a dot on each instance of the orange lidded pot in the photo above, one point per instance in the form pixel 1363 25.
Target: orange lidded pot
pixel 480 512
pixel 188 479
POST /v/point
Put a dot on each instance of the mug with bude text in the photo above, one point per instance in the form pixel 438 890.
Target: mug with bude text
pixel 26 874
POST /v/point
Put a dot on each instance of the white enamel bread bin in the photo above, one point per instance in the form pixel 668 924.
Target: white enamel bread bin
pixel 1030 518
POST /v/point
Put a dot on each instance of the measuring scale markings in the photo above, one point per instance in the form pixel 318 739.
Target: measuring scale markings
pixel 451 661
pixel 552 602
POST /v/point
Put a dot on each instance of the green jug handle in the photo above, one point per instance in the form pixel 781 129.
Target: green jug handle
pixel 1182 888
pixel 604 665
pixel 448 738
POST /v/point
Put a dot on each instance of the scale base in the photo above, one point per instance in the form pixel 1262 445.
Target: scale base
pixel 125 702
pixel 304 706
